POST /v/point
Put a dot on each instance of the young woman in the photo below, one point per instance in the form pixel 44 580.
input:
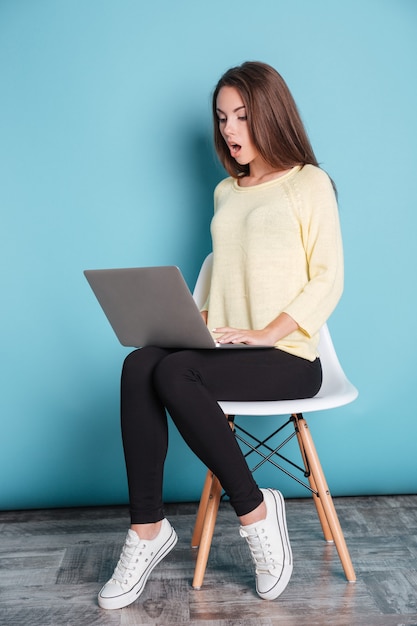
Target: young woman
pixel 277 276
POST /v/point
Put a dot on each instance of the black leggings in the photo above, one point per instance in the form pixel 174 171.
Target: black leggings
pixel 188 384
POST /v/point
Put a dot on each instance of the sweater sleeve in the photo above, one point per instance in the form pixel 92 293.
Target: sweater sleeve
pixel 320 231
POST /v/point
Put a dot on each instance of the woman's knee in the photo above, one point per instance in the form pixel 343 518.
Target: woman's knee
pixel 142 361
pixel 175 370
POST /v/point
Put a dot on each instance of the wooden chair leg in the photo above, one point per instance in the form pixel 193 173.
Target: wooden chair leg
pixel 207 531
pixel 202 509
pixel 327 533
pixel 325 498
pixel 319 507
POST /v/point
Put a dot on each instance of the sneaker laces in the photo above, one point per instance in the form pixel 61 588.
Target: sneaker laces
pixel 128 559
pixel 260 549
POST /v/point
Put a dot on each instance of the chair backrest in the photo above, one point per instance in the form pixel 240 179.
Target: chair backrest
pixel 202 285
pixel 336 389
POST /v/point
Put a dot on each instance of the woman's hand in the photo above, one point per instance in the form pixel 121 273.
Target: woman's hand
pixel 251 337
pixel 280 327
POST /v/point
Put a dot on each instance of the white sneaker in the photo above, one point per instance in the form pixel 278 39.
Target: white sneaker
pixel 136 562
pixel 270 547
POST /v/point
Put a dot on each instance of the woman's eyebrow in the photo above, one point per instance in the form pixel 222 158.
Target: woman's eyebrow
pixel 234 110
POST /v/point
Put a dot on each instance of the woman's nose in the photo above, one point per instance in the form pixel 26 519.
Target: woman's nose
pixel 228 127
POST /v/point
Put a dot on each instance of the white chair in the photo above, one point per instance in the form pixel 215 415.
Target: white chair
pixel 336 390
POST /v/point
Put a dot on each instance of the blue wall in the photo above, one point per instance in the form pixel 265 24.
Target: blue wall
pixel 106 160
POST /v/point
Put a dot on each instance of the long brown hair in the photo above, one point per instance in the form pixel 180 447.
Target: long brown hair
pixel 274 122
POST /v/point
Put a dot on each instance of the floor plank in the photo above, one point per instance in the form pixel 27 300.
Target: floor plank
pixel 53 562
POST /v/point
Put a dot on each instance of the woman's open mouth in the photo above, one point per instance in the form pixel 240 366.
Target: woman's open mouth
pixel 234 149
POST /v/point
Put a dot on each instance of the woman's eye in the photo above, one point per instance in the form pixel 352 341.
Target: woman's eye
pixel 242 118
pixel 222 120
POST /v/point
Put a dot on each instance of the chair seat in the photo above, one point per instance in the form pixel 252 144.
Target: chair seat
pixel 345 394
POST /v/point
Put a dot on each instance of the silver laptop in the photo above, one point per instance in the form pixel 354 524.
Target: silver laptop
pixel 152 306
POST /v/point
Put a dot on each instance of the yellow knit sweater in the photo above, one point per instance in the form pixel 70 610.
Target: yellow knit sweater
pixel 277 248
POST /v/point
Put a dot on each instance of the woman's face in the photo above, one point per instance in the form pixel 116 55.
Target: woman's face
pixel 233 125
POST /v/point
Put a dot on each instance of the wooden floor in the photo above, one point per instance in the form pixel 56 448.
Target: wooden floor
pixel 53 563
